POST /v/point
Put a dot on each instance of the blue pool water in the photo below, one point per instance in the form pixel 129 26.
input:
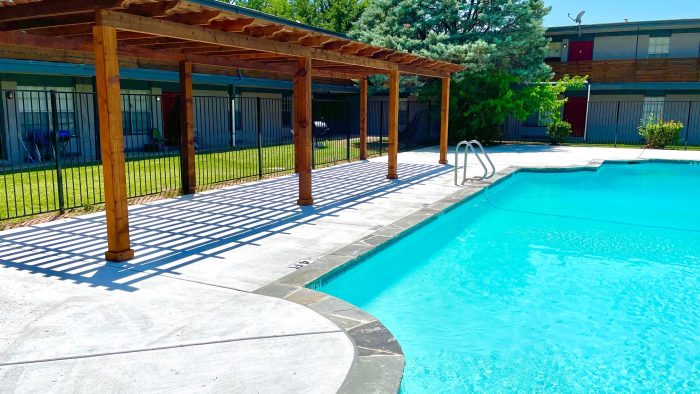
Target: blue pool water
pixel 582 281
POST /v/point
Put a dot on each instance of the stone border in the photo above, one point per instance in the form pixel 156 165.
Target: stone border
pixel 378 362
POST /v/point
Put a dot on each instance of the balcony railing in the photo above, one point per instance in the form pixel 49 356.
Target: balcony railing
pixel 639 70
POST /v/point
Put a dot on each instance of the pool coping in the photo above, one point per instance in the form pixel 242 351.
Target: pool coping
pixel 378 361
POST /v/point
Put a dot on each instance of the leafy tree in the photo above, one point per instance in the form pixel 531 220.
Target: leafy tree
pixel 501 43
pixel 335 15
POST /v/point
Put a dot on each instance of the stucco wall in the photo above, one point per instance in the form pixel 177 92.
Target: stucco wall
pixel 270 115
pixel 615 47
pixel 685 45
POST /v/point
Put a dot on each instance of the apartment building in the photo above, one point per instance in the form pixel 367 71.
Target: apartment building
pixel 635 69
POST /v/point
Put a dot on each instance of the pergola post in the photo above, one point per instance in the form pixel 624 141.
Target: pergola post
pixel 302 128
pixel 444 118
pixel 109 105
pixel 295 135
pixel 393 144
pixel 187 166
pixel 363 118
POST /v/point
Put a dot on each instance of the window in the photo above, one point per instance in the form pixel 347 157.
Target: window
pixel 554 50
pixel 287 112
pixel 536 119
pixel 136 111
pixel 659 47
pixel 653 106
pixel 35 107
pixel 403 115
pixel 3 155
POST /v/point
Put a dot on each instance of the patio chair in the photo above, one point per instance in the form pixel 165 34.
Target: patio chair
pixel 157 142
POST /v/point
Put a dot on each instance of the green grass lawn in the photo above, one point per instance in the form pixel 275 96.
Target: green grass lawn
pixel 33 190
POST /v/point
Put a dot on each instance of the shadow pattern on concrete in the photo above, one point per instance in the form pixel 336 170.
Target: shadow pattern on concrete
pixel 174 233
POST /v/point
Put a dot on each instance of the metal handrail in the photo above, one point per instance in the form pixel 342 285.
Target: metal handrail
pixel 469 146
pixel 488 158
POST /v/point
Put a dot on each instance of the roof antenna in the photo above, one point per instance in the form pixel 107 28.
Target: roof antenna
pixel 577 20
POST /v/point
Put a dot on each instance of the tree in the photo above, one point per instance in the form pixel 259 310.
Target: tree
pixel 335 15
pixel 501 43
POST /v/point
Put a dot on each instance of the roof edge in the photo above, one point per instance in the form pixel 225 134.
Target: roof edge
pixel 625 26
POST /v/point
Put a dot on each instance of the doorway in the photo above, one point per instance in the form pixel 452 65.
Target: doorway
pixel 575 113
pixel 580 51
pixel 171 118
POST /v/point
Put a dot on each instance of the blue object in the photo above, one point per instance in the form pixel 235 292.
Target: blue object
pixel 63 135
pixel 585 281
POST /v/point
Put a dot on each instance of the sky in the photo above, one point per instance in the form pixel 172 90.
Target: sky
pixel 606 11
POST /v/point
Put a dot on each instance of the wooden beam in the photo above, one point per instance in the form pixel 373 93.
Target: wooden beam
pixel 66 31
pixel 302 129
pixel 155 10
pixel 264 31
pixel 393 143
pixel 363 118
pixel 47 22
pixel 336 45
pixel 234 26
pixel 444 118
pixel 383 54
pixel 426 72
pixel 111 143
pixel 316 41
pixel 187 166
pixel 55 8
pixel 164 28
pixel 291 36
pixel 202 18
pixel 135 23
pixel 353 49
pixel 159 27
pixel 338 74
pixel 67 44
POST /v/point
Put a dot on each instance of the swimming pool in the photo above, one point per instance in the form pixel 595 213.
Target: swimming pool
pixel 548 281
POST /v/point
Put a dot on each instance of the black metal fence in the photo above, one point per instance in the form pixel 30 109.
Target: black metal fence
pixel 50 144
pixel 614 123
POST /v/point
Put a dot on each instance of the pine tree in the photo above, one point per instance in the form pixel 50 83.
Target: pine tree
pixel 507 35
pixel 501 43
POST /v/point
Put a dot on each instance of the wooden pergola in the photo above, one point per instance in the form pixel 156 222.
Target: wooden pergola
pixel 210 37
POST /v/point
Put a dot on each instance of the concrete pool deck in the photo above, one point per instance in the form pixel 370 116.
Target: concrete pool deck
pixel 185 315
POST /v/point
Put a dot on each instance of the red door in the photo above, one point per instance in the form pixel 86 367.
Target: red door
pixel 171 118
pixel 575 113
pixel 580 50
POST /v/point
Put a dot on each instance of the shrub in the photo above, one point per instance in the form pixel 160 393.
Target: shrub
pixel 658 133
pixel 558 130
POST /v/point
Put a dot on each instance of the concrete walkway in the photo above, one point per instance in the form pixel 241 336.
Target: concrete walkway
pixel 182 315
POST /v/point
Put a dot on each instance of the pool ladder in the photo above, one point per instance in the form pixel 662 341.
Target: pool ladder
pixel 478 150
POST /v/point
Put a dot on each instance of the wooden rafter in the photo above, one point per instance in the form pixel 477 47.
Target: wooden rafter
pixel 55 9
pixel 50 21
pixel 233 26
pixel 155 10
pixel 316 41
pixel 202 18
pixel 182 28
pixel 64 44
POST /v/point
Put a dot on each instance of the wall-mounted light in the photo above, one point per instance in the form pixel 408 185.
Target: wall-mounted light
pixel 157 98
pixel 10 95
